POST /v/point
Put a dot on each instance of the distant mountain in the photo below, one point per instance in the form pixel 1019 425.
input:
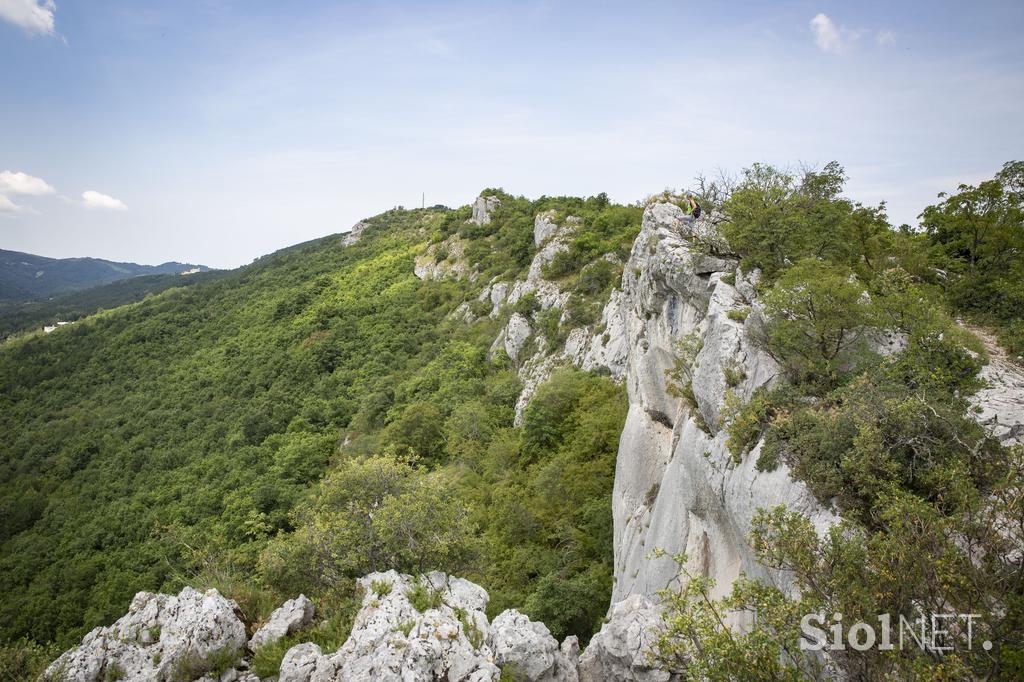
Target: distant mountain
pixel 24 276
pixel 22 315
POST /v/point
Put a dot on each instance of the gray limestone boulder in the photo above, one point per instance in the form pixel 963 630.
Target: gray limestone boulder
pixel 528 648
pixel 291 617
pixel 161 638
pixel 623 649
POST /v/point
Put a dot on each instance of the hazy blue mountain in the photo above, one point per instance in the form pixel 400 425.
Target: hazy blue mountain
pixel 24 276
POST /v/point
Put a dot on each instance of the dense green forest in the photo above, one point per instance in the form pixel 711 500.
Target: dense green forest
pixel 321 413
pixel 210 434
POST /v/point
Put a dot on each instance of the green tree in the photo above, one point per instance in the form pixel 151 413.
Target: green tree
pixel 775 218
pixel 978 234
pixel 817 316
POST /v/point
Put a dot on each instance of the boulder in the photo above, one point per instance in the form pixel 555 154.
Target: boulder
pixel 623 648
pixel 306 663
pixel 449 639
pixel 291 617
pixel 161 638
pixel 530 650
pixel 516 333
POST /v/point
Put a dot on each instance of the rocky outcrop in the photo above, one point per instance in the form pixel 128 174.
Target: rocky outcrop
pixel 353 235
pixel 544 227
pixel 529 651
pixel 449 639
pixel 516 334
pixel 676 485
pixel 557 237
pixel 482 209
pixel 161 638
pixel 445 260
pixel 601 346
pixel 293 616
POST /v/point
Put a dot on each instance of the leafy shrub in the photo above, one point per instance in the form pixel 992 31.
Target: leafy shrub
pixel 329 634
pixel 424 596
pixel 549 325
pixel 734 374
pixel 24 660
pixel 373 514
pixel 738 314
pixel 527 304
pixel 680 376
pixel 977 242
pixel 747 421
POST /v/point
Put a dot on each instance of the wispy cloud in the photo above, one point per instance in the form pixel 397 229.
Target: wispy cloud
pixel 8 206
pixel 34 16
pixel 885 37
pixel 830 37
pixel 92 199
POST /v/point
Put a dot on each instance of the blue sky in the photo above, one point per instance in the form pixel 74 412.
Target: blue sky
pixel 218 131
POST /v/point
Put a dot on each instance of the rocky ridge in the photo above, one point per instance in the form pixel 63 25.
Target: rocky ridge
pixel 676 485
pixel 395 636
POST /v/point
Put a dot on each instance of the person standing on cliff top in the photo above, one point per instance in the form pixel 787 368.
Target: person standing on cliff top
pixel 691 207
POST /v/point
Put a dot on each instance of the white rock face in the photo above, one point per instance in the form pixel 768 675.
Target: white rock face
pixel 676 487
pixel 291 617
pixel 160 637
pixel 516 334
pixel 482 209
pixel 353 235
pixel 530 649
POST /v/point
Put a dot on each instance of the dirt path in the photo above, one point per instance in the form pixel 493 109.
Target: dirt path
pixel 1001 403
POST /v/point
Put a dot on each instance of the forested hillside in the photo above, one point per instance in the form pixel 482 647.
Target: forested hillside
pixel 181 439
pixel 350 405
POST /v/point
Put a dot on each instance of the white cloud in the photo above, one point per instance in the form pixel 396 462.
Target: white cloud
pixel 8 206
pixel 22 183
pixel 831 38
pixel 35 16
pixel 885 37
pixel 91 199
